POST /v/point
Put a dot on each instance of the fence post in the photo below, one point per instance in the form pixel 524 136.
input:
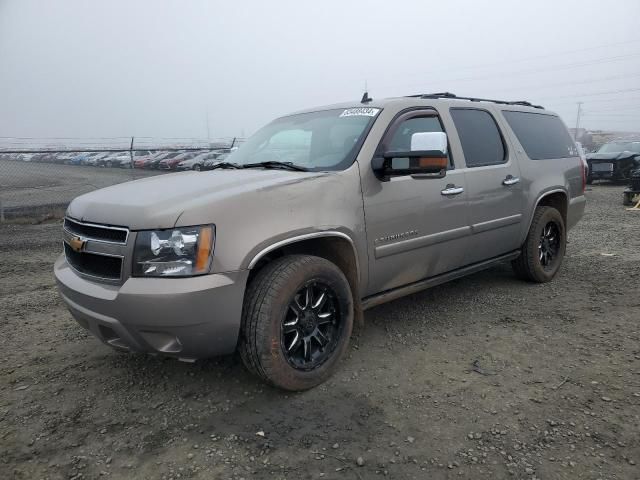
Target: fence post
pixel 132 166
pixel 131 152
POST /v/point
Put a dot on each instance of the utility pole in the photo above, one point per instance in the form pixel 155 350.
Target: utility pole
pixel 575 135
pixel 208 133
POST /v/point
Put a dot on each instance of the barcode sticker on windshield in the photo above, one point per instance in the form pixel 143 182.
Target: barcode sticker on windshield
pixel 360 112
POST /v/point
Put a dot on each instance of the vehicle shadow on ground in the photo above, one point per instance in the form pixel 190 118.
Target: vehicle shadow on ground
pixel 432 304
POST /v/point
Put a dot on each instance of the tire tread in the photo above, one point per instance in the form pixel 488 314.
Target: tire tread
pixel 524 266
pixel 260 296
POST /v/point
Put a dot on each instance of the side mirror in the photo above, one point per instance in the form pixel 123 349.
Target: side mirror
pixel 426 159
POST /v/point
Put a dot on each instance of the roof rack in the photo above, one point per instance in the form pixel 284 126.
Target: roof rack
pixel 473 99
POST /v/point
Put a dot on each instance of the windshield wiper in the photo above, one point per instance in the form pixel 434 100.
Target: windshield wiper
pixel 224 165
pixel 275 164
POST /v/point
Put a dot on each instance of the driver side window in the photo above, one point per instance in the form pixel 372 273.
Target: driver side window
pixel 400 135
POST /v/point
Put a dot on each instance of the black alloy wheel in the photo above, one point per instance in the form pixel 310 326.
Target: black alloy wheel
pixel 542 252
pixel 311 326
pixel 297 319
pixel 549 246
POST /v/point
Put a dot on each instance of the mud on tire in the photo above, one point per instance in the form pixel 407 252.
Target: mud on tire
pixel 543 250
pixel 296 321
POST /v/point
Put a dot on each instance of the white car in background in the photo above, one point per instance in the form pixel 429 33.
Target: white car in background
pixel 115 159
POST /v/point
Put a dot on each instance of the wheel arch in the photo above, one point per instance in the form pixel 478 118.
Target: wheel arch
pixel 557 198
pixel 337 247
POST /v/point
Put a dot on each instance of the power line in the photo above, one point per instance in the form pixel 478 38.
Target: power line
pixel 629 115
pixel 597 100
pixel 610 92
pixel 536 57
pixel 550 85
pixel 566 66
pixel 619 110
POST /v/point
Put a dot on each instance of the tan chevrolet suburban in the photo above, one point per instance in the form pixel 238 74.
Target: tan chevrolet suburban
pixel 319 216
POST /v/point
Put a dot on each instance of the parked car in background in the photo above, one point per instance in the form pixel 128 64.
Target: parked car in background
pixel 217 158
pixel 144 161
pixel 197 162
pixel 115 159
pixel 44 157
pixel 140 157
pixel 65 157
pixel 154 162
pixel 171 163
pixel 92 158
pixel 78 158
pixel 278 259
pixel 614 161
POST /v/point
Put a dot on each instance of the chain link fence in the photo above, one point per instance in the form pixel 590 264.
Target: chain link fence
pixel 38 182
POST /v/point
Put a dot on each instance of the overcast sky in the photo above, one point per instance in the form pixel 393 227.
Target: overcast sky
pixel 153 68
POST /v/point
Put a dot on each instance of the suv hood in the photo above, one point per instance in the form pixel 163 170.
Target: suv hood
pixel 159 201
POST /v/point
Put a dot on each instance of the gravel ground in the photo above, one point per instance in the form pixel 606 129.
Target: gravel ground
pixel 486 377
pixel 24 184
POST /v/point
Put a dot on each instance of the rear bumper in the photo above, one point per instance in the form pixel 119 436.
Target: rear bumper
pixel 188 318
pixel 607 175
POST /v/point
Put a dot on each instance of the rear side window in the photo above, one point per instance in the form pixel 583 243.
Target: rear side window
pixel 542 136
pixel 481 140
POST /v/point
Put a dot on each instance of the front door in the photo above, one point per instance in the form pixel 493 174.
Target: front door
pixel 416 227
pixel 494 188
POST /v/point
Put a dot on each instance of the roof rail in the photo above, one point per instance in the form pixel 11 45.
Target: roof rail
pixel 473 99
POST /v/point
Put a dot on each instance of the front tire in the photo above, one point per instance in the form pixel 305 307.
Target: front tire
pixel 543 250
pixel 296 322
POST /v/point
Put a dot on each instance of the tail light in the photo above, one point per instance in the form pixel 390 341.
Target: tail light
pixel 583 169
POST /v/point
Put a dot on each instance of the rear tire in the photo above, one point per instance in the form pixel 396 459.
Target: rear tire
pixel 543 250
pixel 197 167
pixel 279 340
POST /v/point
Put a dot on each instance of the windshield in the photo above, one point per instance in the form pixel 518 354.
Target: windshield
pixel 615 147
pixel 324 140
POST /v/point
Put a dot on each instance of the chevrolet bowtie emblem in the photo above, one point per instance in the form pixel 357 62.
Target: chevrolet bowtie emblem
pixel 76 243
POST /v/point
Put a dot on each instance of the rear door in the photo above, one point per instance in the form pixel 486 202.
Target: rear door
pixel 416 227
pixel 494 188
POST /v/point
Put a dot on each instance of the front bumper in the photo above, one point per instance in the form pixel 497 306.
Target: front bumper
pixel 188 318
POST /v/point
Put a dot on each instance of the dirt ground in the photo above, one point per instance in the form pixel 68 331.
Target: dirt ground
pixel 483 378
pixel 25 185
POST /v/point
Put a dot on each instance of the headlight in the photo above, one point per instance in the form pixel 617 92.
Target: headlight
pixel 177 252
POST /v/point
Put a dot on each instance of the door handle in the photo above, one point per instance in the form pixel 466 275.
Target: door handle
pixel 510 180
pixel 452 190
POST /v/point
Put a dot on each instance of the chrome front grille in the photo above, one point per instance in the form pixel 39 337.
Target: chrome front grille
pixel 100 233
pixel 95 251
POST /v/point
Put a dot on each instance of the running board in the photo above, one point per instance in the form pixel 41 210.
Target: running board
pixel 393 294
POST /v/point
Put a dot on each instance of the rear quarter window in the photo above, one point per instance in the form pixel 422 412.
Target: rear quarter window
pixel 542 136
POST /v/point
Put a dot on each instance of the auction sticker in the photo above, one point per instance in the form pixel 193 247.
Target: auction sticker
pixel 360 112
